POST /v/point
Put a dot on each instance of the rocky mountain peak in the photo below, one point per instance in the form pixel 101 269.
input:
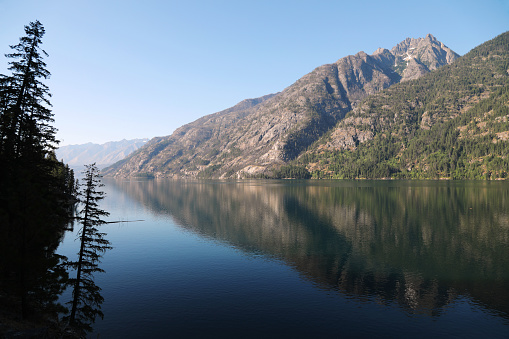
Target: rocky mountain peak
pixel 415 57
pixel 381 50
pixel 411 47
pixel 430 37
pixel 362 55
pixel 258 135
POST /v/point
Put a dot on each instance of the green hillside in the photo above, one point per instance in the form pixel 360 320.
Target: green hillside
pixel 451 123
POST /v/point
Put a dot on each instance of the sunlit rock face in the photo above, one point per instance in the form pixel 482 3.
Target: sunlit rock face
pixel 258 135
pixel 419 56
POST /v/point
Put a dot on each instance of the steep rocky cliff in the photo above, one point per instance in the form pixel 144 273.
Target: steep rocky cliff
pixel 258 135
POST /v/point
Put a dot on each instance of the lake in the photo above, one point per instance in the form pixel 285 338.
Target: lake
pixel 304 259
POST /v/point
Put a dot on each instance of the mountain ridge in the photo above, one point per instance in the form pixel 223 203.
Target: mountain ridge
pixel 103 155
pixel 262 134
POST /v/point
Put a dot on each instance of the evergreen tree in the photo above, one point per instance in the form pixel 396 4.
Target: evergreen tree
pixel 26 118
pixel 35 201
pixel 86 303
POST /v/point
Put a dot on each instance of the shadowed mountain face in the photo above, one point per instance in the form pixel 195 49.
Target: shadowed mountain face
pixel 260 134
pixel 420 244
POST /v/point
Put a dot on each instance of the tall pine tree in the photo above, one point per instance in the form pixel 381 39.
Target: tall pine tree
pixel 87 300
pixel 35 197
pixel 26 117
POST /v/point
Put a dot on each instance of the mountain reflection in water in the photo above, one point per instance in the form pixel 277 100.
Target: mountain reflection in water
pixel 418 244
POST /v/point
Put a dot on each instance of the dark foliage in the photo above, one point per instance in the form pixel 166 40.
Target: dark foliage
pixel 291 172
pixel 36 190
pixel 87 300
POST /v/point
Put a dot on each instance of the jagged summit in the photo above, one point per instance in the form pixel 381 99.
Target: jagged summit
pixel 430 37
pixel 381 50
pixel 258 135
pixel 427 52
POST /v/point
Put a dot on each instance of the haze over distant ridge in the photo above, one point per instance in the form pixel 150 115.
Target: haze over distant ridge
pixel 76 156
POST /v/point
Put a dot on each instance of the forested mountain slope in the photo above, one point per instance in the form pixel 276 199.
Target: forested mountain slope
pixel 451 123
pixel 259 135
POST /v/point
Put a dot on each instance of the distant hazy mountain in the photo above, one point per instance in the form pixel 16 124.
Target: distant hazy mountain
pixel 258 135
pixel 103 155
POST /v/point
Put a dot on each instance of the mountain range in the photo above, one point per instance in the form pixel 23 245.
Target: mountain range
pixel 77 156
pixel 355 118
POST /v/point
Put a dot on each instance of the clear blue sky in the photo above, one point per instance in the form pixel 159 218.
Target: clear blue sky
pixel 135 69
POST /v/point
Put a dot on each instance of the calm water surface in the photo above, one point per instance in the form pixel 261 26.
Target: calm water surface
pixel 304 259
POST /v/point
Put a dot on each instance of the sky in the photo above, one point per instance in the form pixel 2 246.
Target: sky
pixel 125 69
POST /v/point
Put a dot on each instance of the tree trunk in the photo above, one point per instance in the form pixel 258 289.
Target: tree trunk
pixel 76 293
